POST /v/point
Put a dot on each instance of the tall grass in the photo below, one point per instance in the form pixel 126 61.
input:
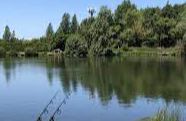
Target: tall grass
pixel 167 114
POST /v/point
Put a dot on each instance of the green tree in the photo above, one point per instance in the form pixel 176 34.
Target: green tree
pixel 7 34
pixel 74 24
pixel 76 46
pixel 13 36
pixel 169 11
pixel 62 33
pixel 151 16
pixel 91 11
pixel 85 30
pixel 106 33
pixel 59 41
pixel 126 16
pixel 122 9
pixel 181 26
pixel 2 51
pixel 101 40
pixel 163 29
pixel 64 27
pixel 49 32
pixel 49 37
pixel 134 35
pixel 160 26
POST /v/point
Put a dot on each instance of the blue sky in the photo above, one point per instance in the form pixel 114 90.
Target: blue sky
pixel 29 18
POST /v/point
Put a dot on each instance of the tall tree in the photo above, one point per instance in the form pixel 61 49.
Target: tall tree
pixel 76 46
pixel 64 27
pixel 62 33
pixel 151 17
pixel 74 24
pixel 49 32
pixel 7 34
pixel 13 35
pixel 100 31
pixel 91 11
pixel 49 37
pixel 133 33
pixel 85 29
pixel 169 11
pixel 122 10
pixel 181 26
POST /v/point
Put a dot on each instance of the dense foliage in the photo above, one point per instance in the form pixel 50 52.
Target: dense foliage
pixel 108 31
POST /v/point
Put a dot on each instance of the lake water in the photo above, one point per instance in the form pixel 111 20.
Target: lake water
pixel 101 89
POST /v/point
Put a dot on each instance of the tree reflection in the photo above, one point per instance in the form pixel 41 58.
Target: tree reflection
pixel 126 79
pixel 9 67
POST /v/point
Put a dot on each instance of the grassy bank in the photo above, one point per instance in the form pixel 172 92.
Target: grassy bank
pixel 143 51
pixel 174 51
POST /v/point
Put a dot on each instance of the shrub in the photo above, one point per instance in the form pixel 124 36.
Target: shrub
pixel 30 52
pixel 76 46
pixel 2 52
pixel 182 45
pixel 11 53
pixel 125 48
pixel 108 52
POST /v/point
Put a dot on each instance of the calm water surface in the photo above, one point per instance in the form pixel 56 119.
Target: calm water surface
pixel 115 89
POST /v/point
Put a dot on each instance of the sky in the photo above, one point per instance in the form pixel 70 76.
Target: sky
pixel 29 18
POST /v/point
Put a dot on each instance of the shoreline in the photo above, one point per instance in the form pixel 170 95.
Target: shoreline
pixel 142 51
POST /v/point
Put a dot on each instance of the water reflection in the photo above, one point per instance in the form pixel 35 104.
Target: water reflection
pixel 127 79
pixel 9 67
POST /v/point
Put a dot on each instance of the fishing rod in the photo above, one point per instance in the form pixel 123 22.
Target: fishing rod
pixel 46 107
pixel 60 105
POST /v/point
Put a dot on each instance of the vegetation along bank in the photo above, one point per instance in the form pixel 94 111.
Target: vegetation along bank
pixel 126 31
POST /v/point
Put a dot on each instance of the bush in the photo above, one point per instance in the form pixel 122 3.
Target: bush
pixel 30 52
pixel 108 52
pixel 2 52
pixel 149 43
pixel 11 53
pixel 76 46
pixel 125 48
pixel 183 45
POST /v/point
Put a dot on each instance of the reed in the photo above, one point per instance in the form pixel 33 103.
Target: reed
pixel 167 114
